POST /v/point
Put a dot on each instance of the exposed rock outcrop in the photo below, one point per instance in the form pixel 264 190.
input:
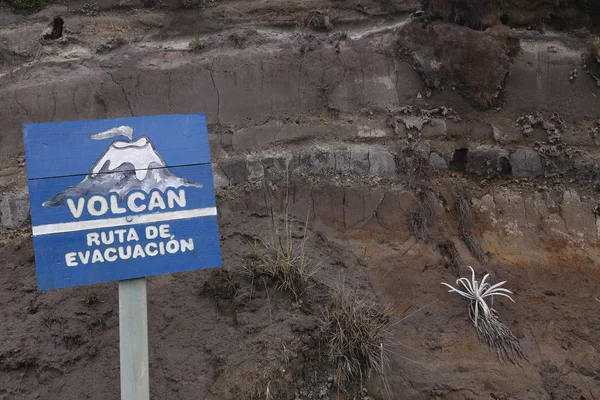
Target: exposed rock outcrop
pixel 448 57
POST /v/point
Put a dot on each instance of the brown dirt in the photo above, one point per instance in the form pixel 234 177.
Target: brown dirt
pixel 214 334
pixel 451 57
pixel 219 334
pixel 275 86
pixel 530 14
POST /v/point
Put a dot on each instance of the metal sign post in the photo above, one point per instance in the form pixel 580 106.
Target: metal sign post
pixel 133 339
pixel 120 200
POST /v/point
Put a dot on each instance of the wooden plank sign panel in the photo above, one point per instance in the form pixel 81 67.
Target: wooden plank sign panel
pixel 120 198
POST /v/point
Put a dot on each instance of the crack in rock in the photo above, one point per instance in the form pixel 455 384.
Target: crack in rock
pixel 122 90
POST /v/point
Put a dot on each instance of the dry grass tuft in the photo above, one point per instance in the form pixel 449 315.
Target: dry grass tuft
pixel 284 259
pixel 357 333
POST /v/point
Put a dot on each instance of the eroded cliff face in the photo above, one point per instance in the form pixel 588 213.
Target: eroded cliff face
pixel 373 112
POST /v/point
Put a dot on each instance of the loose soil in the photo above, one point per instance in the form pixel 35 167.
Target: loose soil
pixel 325 84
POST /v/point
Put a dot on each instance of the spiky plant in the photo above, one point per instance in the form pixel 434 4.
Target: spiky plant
pixel 477 292
pixel 490 330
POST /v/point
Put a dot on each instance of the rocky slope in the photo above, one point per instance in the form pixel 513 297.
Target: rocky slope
pixel 378 113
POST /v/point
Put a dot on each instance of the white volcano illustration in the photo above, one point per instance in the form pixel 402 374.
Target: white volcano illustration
pixel 124 166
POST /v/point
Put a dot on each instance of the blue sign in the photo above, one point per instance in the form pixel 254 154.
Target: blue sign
pixel 122 198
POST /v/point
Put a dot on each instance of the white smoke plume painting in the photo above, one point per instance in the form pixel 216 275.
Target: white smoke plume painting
pixel 125 166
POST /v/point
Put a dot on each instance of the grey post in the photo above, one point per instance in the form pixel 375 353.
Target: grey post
pixel 133 336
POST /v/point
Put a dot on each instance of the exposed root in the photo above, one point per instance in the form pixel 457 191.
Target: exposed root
pixel 465 223
pixel 428 202
pixel 465 220
pixel 417 221
pixel 449 254
pixel 499 338
pixel 473 245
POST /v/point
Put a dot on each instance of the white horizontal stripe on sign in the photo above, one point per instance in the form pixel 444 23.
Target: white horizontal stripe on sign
pixel 75 226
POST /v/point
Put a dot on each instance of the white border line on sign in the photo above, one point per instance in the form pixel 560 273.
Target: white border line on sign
pixel 75 226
